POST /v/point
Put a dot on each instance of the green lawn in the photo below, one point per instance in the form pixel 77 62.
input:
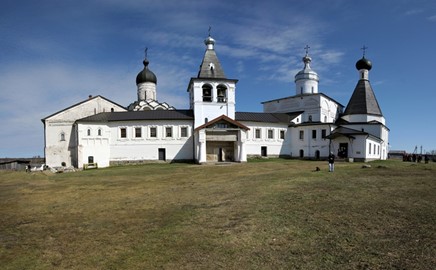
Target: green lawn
pixel 265 214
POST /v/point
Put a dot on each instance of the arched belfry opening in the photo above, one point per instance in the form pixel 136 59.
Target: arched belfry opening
pixel 207 92
pixel 221 93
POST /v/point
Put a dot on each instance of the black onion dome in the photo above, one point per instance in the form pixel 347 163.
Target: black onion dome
pixel 363 64
pixel 146 75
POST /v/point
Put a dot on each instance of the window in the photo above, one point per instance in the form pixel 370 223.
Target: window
pixel 270 134
pixel 310 118
pixel 99 132
pixel 207 93
pixel 123 132
pixel 88 132
pixel 222 89
pixel 314 134
pixel 138 132
pixel 369 148
pixel 62 136
pixel 282 134
pixel 183 132
pixel 323 133
pixel 168 132
pixel 153 132
pixel 222 125
pixel 374 149
pixel 257 133
pixel 301 134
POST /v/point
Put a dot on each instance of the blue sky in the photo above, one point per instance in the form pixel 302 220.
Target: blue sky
pixel 54 54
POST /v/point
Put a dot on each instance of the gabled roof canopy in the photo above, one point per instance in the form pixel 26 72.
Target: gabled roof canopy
pixel 223 118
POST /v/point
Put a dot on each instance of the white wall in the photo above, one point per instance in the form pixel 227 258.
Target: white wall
pixel 96 144
pixel 308 144
pixel 146 147
pixel 275 146
pixel 318 107
pixel 58 151
pixel 213 109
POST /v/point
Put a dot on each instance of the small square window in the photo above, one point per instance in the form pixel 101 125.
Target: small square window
pixel 168 132
pixel 270 134
pixel 153 132
pixel 138 132
pixel 183 132
pixel 323 133
pixel 123 132
pixel 257 133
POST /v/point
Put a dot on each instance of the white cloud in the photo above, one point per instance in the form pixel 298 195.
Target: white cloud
pixel 432 18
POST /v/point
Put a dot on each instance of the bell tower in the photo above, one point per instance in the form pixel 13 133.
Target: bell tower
pixel 211 94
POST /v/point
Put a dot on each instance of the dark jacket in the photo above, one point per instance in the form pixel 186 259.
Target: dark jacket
pixel 331 158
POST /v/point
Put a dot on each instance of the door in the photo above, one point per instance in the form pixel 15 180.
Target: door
pixel 343 150
pixel 263 151
pixel 220 154
pixel 162 154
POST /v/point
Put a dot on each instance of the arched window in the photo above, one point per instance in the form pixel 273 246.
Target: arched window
pixel 222 93
pixel 207 93
pixel 99 132
pixel 62 136
pixel 88 132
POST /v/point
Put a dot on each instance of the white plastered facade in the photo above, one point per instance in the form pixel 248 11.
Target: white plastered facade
pixel 215 131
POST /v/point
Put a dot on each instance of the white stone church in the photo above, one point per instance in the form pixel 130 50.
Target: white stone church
pixel 306 125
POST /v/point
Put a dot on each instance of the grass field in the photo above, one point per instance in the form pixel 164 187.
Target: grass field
pixel 265 214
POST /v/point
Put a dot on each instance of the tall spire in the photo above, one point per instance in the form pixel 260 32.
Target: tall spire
pixel 210 66
pixel 363 100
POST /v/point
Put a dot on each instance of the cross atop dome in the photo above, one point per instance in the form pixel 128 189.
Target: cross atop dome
pixel 364 48
pixel 307 49
pixel 209 41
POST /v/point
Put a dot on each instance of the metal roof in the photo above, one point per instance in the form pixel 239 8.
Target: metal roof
pixel 84 101
pixel 140 115
pixel 363 100
pixel 210 66
pixel 266 117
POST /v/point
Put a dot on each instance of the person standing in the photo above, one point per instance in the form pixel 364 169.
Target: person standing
pixel 331 162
